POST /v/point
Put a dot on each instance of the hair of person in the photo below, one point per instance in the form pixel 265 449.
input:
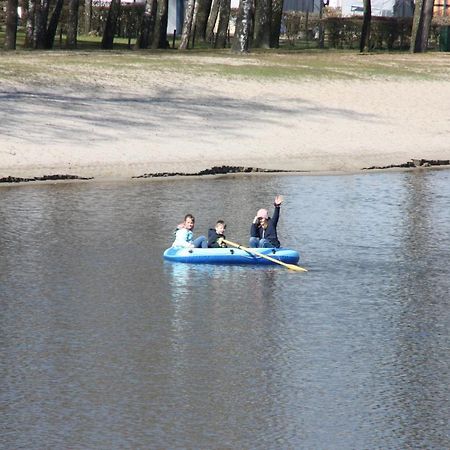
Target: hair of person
pixel 220 222
pixel 189 216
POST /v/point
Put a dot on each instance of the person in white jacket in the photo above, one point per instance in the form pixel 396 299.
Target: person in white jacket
pixel 184 237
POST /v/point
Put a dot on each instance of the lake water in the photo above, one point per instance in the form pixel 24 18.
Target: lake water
pixel 104 345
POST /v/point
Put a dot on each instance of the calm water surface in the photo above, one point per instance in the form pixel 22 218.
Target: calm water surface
pixel 105 346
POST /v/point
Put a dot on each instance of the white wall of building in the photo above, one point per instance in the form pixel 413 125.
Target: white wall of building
pixel 385 8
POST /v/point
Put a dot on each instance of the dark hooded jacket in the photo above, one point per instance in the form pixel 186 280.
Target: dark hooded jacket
pixel 270 233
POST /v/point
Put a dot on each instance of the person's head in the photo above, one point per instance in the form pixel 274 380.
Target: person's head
pixel 189 221
pixel 220 227
pixel 263 216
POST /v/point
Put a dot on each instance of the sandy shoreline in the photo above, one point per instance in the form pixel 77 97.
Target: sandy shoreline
pixel 188 124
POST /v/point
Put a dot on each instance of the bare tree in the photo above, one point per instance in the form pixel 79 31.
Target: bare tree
pixel 111 24
pixel 87 16
pixel 423 13
pixel 275 23
pixel 11 25
pixel 29 27
pixel 212 19
pixel 224 21
pixel 187 25
pixel 147 27
pixel 201 19
pixel 53 24
pixel 263 13
pixel 40 24
pixel 160 34
pixel 72 24
pixel 241 41
pixel 364 43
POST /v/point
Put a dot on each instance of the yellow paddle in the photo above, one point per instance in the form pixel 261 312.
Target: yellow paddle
pixel 255 252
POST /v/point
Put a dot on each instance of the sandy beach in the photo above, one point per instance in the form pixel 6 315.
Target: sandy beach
pixel 118 127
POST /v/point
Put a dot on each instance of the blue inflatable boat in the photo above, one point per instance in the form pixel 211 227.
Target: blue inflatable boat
pixel 230 255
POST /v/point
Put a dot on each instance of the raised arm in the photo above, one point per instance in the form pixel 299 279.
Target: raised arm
pixel 276 213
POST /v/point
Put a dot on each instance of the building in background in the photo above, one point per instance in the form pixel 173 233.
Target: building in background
pixel 175 16
pixel 175 13
pixel 384 8
pixel 311 6
pixel 441 8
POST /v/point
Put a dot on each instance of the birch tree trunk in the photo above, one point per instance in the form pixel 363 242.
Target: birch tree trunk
pixel 29 27
pixel 275 23
pixel 53 25
pixel 87 16
pixel 241 40
pixel 72 24
pixel 261 38
pixel 147 27
pixel 212 19
pixel 364 43
pixel 11 25
pixel 23 4
pixel 111 24
pixel 187 25
pixel 160 35
pixel 224 21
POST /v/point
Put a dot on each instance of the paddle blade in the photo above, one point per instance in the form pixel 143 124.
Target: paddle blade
pixel 296 268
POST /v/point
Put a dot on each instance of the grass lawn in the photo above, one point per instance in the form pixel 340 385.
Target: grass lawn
pixel 289 63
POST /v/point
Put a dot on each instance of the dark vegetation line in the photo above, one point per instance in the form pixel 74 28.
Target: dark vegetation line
pixel 414 163
pixel 223 170
pixel 43 178
pixel 216 170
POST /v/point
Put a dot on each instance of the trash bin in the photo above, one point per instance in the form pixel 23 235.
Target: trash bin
pixel 444 38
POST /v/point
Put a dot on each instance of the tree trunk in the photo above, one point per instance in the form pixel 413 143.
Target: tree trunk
pixel 263 10
pixel 23 5
pixel 11 25
pixel 40 26
pixel 275 23
pixel 187 25
pixel 147 28
pixel 160 36
pixel 423 13
pixel 53 25
pixel 111 24
pixel 201 20
pixel 241 40
pixel 224 21
pixel 321 26
pixel 87 16
pixel 72 24
pixel 426 23
pixel 29 31
pixel 364 44
pixel 212 19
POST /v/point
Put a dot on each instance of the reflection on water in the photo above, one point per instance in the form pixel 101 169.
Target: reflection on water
pixel 105 345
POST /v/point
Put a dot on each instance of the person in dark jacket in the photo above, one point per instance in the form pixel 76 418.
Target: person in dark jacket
pixel 263 232
pixel 215 235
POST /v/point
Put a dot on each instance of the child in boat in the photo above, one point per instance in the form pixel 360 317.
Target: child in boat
pixel 184 237
pixel 215 235
pixel 263 232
